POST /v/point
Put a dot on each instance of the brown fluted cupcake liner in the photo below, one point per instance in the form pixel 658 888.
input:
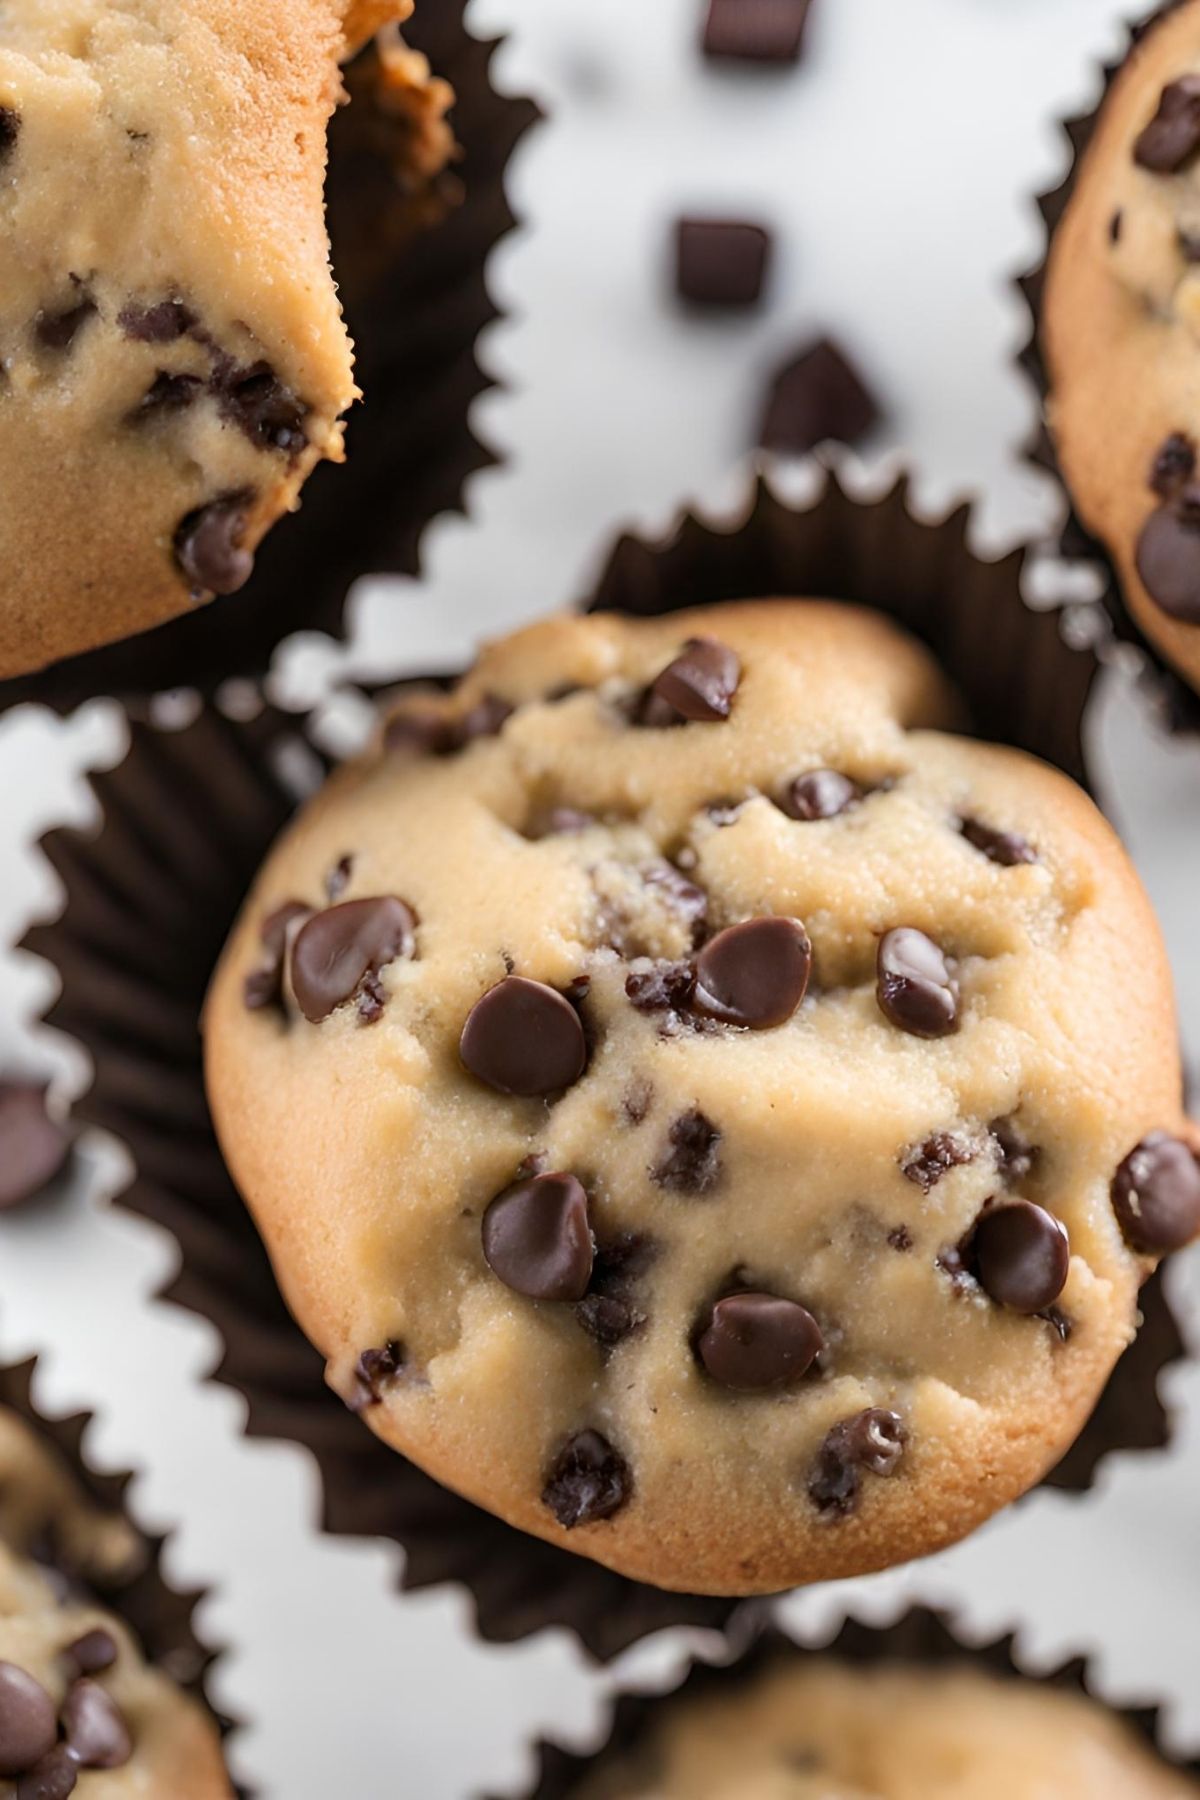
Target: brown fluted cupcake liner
pixel 918 1637
pixel 1176 704
pixel 410 262
pixel 188 817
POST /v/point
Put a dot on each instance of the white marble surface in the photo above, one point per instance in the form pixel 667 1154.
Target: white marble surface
pixel 896 166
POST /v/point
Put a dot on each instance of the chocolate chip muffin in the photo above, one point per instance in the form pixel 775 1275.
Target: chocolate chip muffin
pixel 80 1710
pixel 817 1729
pixel 174 357
pixel 703 1110
pixel 1121 334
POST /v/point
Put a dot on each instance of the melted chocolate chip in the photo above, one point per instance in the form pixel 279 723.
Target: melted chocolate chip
pixel 10 130
pixel 663 987
pixel 754 1342
pixel 264 985
pixel 1168 558
pixel 163 322
pixel 53 1778
pixel 769 31
pixel 1173 466
pixel 821 794
pixel 57 331
pixel 375 1370
pixel 28 1727
pixel 258 403
pixel 337 955
pixel 588 1481
pixel 916 987
pixel 1008 848
pixel 928 1162
pixel 1156 1194
pixel 92 1653
pixel 692 1165
pixel 754 974
pixel 523 1037
pixel 94 1726
pixel 34 1148
pixel 818 395
pixel 872 1441
pixel 720 262
pixel 209 547
pixel 699 685
pixel 537 1239
pixel 1021 1255
pixel 1172 137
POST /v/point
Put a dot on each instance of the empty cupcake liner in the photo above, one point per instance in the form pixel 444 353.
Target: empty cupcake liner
pixel 410 267
pixel 187 819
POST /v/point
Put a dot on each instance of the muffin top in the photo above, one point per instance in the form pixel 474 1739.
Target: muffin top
pixel 703 1110
pixel 80 1709
pixel 1121 334
pixel 812 1728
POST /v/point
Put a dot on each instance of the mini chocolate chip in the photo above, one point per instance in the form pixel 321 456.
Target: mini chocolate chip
pixel 1114 226
pixel 692 1165
pixel 57 331
pixel 662 987
pixel 374 1370
pixel 1173 466
pixel 160 323
pixel 259 404
pixel 168 393
pixel 607 1319
pixel 10 130
pixel 821 794
pixel 720 262
pixel 817 395
pixel 522 1037
pixel 754 1342
pixel 28 1727
pixel 1168 561
pixel 928 1162
pixel 1015 1155
pixel 872 1440
pixel 1156 1194
pixel 1021 1255
pixel 1173 135
pixel 94 1726
pixel 264 985
pixel 754 974
pixel 92 1653
pixel 337 954
pixel 209 547
pixel 700 684
pixel 537 1239
pixel 1008 848
pixel 588 1481
pixel 900 1238
pixel 338 878
pixel 916 987
pixel 34 1148
pixel 756 30
pixel 53 1778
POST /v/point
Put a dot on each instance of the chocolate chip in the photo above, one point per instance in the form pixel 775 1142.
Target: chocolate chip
pixel 209 548
pixel 754 974
pixel 720 262
pixel 900 1238
pixel 28 1727
pixel 872 1440
pixel 928 1162
pixel 589 1481
pixel 53 1778
pixel 537 1239
pixel 607 1319
pixel 1061 1323
pixel 338 878
pixel 1189 246
pixel 264 985
pixel 92 1653
pixel 1021 1255
pixel 258 403
pixel 58 330
pixel 1015 1155
pixel 692 1165
pixel 1173 135
pixel 699 685
pixel 1156 1194
pixel 1114 226
pixel 1173 466
pixel 33 1147
pixel 160 323
pixel 1168 560
pixel 916 988
pixel 687 901
pixel 1008 848
pixel 817 395
pixel 756 30
pixel 522 1037
pixel 168 393
pixel 662 987
pixel 754 1342
pixel 337 954
pixel 821 794
pixel 374 1371
pixel 10 130
pixel 638 1096
pixel 94 1726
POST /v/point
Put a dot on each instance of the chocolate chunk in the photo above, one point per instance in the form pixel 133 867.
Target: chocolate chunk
pixel 821 794
pixel 1172 137
pixel 28 1727
pixel 338 953
pixel 872 1440
pixel 928 1162
pixel 720 262
pixel 817 395
pixel 589 1481
pixel 264 985
pixel 754 974
pixel 1156 1194
pixel 258 403
pixel 375 1369
pixel 94 1726
pixel 1008 848
pixel 57 331
pixel 1016 1156
pixel 537 1239
pixel 754 1342
pixel 1173 466
pixel 209 547
pixel 607 1318
pixel 522 1037
pixel 692 1165
pixel 33 1147
pixel 92 1653
pixel 662 987
pixel 916 988
pixel 698 686
pixel 10 130
pixel 769 31
pixel 1021 1255
pixel 53 1778
pixel 160 323
pixel 1168 557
